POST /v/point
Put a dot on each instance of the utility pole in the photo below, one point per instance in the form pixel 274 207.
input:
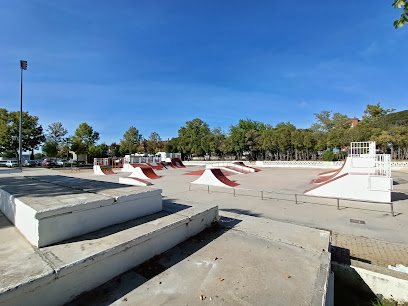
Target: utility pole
pixel 23 66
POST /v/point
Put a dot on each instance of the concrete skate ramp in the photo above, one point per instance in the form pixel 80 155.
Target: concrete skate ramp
pixel 140 165
pixel 177 162
pixel 239 169
pixel 200 172
pixel 242 164
pixel 329 175
pixel 156 166
pixel 168 165
pixel 144 173
pixel 355 186
pixel 103 170
pixel 134 181
pixel 214 177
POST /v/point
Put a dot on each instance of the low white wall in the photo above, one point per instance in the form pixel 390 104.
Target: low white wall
pixel 383 281
pixel 267 163
pixel 395 165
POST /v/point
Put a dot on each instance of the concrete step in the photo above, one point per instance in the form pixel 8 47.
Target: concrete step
pixel 56 274
pixel 51 208
pixel 245 261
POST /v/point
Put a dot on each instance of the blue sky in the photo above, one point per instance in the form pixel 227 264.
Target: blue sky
pixel 157 64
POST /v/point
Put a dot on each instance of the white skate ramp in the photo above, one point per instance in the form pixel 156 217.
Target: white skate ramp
pixel 103 170
pixel 364 176
pixel 144 173
pixel 134 181
pixel 356 187
pixel 214 177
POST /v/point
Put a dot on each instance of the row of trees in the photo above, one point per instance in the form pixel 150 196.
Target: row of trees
pixel 56 142
pixel 255 139
pixel 331 131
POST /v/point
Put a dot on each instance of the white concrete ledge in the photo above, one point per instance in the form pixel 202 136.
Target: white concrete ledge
pixel 90 260
pixel 47 213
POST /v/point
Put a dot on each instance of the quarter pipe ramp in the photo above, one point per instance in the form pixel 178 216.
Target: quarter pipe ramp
pixel 214 177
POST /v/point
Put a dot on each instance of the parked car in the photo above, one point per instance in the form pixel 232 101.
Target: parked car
pixel 48 163
pixel 11 163
pixel 62 162
pixel 29 163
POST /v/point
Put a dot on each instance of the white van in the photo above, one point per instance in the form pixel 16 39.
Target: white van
pixel 11 163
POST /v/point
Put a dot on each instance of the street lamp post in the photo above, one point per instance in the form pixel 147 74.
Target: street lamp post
pixel 23 66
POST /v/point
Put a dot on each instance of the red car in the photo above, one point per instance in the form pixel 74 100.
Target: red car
pixel 48 163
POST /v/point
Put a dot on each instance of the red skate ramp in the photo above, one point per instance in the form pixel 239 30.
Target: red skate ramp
pixel 156 166
pixel 242 164
pixel 239 169
pixel 328 175
pixel 163 164
pixel 177 162
pixel 141 165
pixel 144 173
pixel 103 170
pixel 200 172
pixel 168 165
pixel 214 177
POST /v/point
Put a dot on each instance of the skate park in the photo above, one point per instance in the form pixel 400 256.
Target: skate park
pixel 292 230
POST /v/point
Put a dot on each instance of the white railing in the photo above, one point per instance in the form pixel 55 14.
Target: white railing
pixel 383 165
pixel 114 162
pixel 142 159
pixel 363 149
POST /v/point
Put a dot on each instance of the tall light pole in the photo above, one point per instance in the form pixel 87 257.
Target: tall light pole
pixel 23 66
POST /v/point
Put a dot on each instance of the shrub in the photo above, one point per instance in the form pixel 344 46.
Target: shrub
pixel 329 156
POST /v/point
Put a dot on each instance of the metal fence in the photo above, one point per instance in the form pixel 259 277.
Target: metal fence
pixel 292 197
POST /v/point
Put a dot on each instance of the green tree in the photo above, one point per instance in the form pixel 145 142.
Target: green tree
pixel 284 133
pixel 217 142
pixel 375 111
pixel 50 148
pixel 32 133
pixel 297 138
pixel 154 143
pixel 98 151
pixel 171 146
pixel 190 136
pixel 254 140
pixel 55 134
pixel 114 149
pixel 326 122
pixel 238 134
pixel 404 16
pixel 38 156
pixel 131 141
pixel 270 142
pixel 83 138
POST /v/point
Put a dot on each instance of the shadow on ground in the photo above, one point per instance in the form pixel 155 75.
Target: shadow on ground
pixel 398 196
pixel 118 287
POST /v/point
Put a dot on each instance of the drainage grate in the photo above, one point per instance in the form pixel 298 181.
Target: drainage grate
pixel 357 221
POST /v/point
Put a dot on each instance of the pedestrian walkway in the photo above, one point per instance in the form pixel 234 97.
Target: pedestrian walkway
pixel 372 251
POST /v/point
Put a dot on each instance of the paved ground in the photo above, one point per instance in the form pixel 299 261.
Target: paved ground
pixel 245 261
pixel 380 239
pixel 373 251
